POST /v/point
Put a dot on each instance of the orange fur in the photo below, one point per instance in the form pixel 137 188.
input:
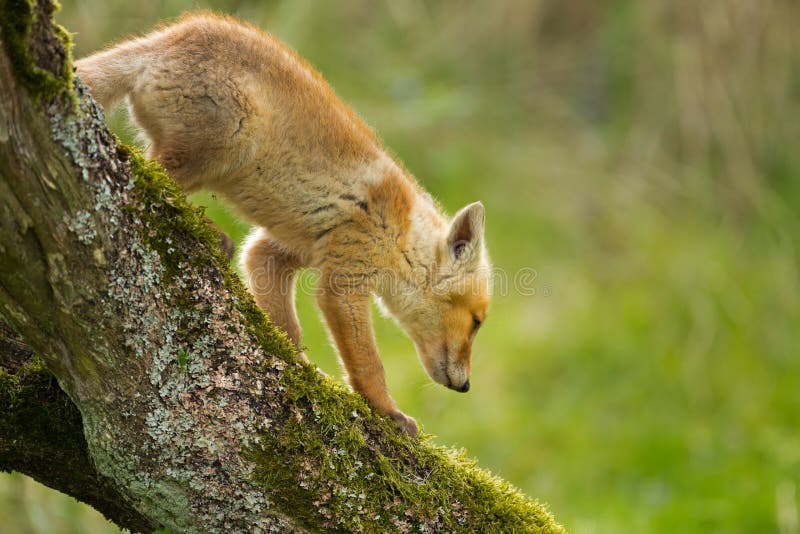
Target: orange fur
pixel 229 108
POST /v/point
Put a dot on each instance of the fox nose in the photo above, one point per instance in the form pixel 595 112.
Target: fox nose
pixel 464 388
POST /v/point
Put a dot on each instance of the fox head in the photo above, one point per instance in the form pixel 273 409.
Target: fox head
pixel 443 314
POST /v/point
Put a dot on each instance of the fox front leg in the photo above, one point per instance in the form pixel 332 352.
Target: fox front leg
pixel 347 314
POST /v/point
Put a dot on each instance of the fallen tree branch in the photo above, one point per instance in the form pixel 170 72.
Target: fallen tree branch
pixel 195 412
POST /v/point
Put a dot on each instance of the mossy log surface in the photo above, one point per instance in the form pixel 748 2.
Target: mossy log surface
pixel 178 405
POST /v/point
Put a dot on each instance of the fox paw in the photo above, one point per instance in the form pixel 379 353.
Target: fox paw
pixel 226 244
pixel 407 424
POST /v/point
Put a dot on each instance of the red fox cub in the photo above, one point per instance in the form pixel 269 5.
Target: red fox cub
pixel 229 108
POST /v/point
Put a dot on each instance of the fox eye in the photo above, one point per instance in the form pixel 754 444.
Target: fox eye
pixel 476 323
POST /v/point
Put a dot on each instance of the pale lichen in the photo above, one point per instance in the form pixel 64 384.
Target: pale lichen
pixel 45 72
pixel 82 225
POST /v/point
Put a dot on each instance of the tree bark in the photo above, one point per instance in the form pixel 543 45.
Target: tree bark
pixel 178 405
pixel 41 435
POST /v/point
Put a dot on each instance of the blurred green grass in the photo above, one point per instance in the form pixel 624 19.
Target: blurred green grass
pixel 30 508
pixel 641 158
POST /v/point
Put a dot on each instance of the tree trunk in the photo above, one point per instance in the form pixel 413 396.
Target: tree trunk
pixel 182 407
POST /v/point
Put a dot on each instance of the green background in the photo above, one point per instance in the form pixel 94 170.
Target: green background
pixel 639 164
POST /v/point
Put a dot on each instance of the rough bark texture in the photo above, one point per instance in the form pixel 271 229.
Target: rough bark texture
pixel 194 413
pixel 41 435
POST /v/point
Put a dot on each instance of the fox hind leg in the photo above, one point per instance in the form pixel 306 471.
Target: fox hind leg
pixel 271 272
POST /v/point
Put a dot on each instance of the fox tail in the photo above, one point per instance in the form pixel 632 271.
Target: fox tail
pixel 111 74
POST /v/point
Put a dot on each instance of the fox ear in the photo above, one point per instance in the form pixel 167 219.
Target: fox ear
pixel 465 238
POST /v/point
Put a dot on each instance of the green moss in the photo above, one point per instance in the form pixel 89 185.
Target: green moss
pixel 169 219
pixel 182 358
pixel 31 390
pixel 16 21
pixel 11 385
pixel 164 207
pixel 337 464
